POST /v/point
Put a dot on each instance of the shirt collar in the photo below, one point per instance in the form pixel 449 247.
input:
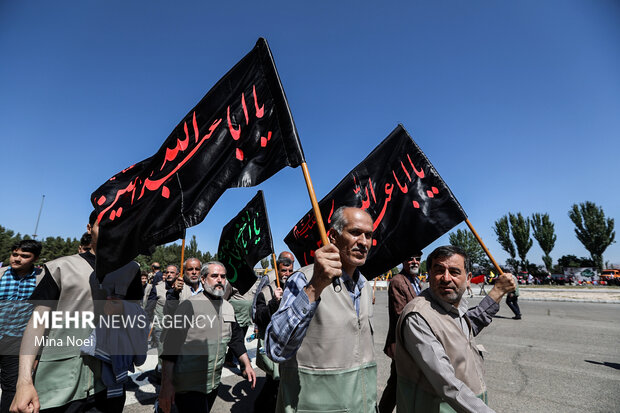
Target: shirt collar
pixel 17 277
pixel 361 280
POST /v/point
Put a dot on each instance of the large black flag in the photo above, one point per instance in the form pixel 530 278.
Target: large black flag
pixel 409 202
pixel 244 241
pixel 238 135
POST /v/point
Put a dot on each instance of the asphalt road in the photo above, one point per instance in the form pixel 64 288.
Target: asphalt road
pixel 561 357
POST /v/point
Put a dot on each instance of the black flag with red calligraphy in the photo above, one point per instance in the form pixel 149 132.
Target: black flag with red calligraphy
pixel 238 135
pixel 245 240
pixel 410 204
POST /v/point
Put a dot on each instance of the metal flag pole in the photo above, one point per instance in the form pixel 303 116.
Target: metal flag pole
pixel 484 247
pixel 36 227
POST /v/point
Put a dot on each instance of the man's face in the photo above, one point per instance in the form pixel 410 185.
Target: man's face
pixel 356 238
pixel 448 278
pixel 192 270
pixel 284 271
pixel 412 265
pixel 22 261
pixel 144 279
pixel 171 273
pixel 93 230
pixel 214 281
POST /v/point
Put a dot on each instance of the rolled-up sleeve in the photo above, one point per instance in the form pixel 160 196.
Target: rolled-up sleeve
pixel 289 324
pixel 430 356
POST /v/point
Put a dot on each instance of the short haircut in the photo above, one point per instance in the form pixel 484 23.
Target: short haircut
pixel 172 265
pixel 447 251
pixel 205 268
pixel 284 261
pixel 338 219
pixel 92 218
pixel 28 245
pixel 86 239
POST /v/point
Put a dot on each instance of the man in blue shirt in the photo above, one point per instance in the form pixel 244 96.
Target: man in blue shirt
pixel 17 282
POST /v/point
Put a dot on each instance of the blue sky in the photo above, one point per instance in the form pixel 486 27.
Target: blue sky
pixel 516 103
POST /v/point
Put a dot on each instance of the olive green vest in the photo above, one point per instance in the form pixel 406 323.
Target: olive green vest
pixel 415 393
pixel 262 361
pixel 335 368
pixel 199 366
pixel 63 374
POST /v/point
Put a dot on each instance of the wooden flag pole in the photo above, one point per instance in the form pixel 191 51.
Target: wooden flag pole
pixel 484 247
pixel 275 268
pixel 315 204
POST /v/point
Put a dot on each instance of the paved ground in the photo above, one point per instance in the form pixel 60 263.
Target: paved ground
pixel 562 357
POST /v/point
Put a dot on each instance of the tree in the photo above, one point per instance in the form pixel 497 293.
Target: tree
pixel 502 230
pixel 593 230
pixel 467 241
pixel 520 228
pixel 7 239
pixel 264 263
pixel 544 233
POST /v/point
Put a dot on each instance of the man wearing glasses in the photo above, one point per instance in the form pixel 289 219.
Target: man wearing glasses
pixel 403 287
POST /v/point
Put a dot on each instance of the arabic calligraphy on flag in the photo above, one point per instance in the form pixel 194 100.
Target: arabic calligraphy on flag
pixel 409 202
pixel 244 241
pixel 238 135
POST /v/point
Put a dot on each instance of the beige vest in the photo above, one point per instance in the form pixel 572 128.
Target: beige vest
pixel 334 369
pixel 415 393
pixel 199 366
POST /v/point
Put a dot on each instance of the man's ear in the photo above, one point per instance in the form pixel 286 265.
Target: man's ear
pixel 88 228
pixel 331 235
pixel 469 277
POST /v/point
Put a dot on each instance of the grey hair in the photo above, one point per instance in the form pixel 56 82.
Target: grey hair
pixel 338 219
pixel 205 268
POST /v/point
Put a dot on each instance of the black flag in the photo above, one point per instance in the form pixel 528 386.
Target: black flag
pixel 238 135
pixel 410 204
pixel 244 241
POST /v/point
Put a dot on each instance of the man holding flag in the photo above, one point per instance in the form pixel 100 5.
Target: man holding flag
pixel 438 363
pixel 323 338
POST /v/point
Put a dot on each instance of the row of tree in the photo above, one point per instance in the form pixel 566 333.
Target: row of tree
pixel 592 228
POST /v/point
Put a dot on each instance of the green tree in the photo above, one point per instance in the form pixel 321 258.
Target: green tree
pixel 520 229
pixel 502 230
pixel 7 239
pixel 593 230
pixel 544 232
pixel 264 263
pixel 467 241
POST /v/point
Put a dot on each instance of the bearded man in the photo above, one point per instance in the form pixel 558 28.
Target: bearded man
pixel 193 354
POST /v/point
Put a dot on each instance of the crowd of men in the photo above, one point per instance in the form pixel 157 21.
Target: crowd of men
pixel 314 330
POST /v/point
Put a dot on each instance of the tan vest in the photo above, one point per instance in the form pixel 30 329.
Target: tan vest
pixel 415 393
pixel 199 366
pixel 334 369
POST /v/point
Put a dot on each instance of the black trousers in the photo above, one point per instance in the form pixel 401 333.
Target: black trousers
pixel 388 398
pixel 268 396
pixel 194 401
pixel 98 403
pixel 9 366
pixel 512 302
